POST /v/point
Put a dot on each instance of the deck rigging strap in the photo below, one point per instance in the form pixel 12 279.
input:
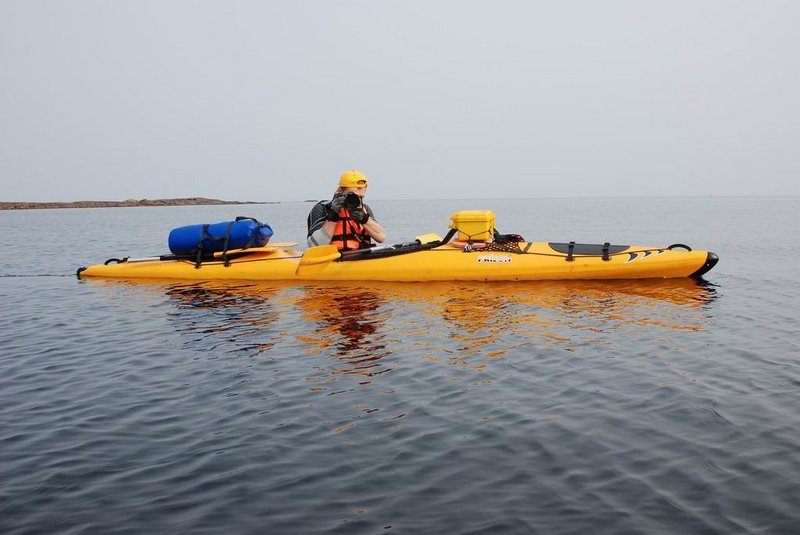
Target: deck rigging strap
pixel 500 247
pixel 207 237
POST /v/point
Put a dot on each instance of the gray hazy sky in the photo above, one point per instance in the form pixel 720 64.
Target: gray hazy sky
pixel 260 100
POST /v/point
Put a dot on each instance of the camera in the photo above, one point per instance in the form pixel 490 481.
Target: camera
pixel 352 200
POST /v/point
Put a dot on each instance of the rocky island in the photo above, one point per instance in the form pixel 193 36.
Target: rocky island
pixel 188 201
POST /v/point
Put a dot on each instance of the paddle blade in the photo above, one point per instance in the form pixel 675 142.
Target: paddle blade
pixel 318 256
pixel 428 238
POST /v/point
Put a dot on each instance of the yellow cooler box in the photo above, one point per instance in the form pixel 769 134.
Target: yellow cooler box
pixel 474 225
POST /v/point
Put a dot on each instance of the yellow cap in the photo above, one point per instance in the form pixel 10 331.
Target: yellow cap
pixel 352 179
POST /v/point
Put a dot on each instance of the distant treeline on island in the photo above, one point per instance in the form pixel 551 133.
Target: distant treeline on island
pixel 189 201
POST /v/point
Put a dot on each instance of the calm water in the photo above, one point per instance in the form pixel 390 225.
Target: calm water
pixel 655 407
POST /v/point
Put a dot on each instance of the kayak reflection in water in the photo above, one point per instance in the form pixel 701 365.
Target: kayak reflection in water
pixel 349 319
pixel 345 221
pixel 248 311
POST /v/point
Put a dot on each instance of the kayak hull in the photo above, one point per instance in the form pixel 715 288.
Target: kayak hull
pixel 539 261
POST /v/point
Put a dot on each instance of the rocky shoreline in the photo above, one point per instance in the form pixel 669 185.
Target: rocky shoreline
pixel 188 201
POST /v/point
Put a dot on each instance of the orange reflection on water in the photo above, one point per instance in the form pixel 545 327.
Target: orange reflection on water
pixel 459 332
pixel 470 325
pixel 348 321
pixel 360 322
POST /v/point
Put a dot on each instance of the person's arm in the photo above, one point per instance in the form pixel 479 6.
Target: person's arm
pixel 329 227
pixel 375 230
pixel 320 229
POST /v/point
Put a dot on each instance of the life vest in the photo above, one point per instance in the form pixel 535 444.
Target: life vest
pixel 349 234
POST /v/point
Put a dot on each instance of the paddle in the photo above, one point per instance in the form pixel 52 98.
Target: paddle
pixel 423 239
pixel 317 258
pixel 428 238
pixel 270 247
pixel 233 253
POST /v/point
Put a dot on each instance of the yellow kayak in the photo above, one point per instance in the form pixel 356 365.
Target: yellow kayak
pixel 423 260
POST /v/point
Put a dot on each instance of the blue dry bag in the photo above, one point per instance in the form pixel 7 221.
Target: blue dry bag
pixel 242 233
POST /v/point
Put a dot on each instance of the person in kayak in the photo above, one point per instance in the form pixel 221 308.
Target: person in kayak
pixel 345 221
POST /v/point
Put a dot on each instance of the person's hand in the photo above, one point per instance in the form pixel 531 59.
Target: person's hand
pixel 330 215
pixel 359 215
pixel 337 203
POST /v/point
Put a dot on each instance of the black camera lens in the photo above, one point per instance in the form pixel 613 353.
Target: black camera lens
pixel 352 200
